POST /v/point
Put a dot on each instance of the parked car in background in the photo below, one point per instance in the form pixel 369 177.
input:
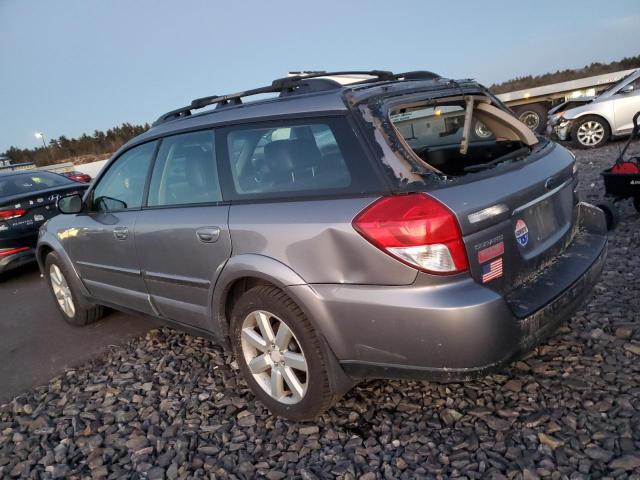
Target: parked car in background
pixel 77 176
pixel 591 122
pixel 401 226
pixel 27 200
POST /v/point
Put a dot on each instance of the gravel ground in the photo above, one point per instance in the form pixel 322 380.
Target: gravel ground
pixel 169 405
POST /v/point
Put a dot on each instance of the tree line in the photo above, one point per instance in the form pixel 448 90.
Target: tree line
pixel 62 148
pixel 596 68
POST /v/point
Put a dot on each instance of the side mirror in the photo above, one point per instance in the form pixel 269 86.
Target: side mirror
pixel 626 89
pixel 70 204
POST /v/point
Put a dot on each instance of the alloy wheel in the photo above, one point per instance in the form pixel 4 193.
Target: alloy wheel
pixel 590 133
pixel 62 291
pixel 274 357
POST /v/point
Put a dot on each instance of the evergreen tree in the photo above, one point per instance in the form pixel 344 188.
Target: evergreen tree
pixel 63 149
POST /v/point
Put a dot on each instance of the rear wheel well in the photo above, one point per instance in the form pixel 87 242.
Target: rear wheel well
pixel 235 291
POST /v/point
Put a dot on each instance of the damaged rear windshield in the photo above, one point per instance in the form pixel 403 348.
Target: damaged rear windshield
pixel 436 126
pixel 458 137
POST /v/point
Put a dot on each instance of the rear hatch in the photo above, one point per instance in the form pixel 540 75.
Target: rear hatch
pixel 511 192
pixel 515 221
pixel 29 211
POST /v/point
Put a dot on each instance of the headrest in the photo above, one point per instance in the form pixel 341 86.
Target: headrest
pixel 198 165
pixel 291 155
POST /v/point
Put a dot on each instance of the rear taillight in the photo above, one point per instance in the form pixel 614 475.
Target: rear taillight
pixel 4 252
pixel 12 213
pixel 416 229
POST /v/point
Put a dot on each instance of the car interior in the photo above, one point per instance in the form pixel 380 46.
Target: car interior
pixel 435 134
pixel 188 175
pixel 287 159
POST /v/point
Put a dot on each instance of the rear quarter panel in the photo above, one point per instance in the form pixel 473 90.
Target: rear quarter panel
pixel 315 239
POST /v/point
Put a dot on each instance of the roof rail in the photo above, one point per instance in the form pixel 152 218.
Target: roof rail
pixel 302 83
pixel 379 74
pixel 417 75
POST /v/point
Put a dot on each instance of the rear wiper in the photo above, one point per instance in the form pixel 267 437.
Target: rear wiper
pixel 503 158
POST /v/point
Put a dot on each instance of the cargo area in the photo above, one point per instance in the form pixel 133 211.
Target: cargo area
pixel 461 135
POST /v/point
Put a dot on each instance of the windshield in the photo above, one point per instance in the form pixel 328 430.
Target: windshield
pixel 25 183
pixel 617 84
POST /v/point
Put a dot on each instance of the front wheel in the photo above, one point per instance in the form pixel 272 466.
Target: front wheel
pixel 72 307
pixel 280 354
pixel 590 132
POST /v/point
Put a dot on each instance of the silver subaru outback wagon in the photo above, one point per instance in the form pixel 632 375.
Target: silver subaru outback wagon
pixel 404 225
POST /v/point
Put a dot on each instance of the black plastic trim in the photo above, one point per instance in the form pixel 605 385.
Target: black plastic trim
pixel 176 280
pixel 108 268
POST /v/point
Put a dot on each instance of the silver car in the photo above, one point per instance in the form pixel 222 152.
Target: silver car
pixel 608 115
pixel 404 226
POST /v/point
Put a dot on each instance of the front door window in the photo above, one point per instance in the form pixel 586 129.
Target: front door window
pixel 122 186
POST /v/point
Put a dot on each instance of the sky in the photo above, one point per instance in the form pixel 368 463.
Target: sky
pixel 73 66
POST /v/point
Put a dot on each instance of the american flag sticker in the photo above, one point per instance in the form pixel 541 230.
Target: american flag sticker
pixel 492 270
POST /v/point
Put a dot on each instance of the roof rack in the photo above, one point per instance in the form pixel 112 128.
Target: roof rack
pixel 417 75
pixel 302 83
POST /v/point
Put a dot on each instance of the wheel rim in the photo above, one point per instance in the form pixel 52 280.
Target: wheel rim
pixel 590 133
pixel 530 119
pixel 482 130
pixel 274 357
pixel 61 291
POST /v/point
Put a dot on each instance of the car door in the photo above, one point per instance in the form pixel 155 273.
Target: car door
pixel 182 238
pixel 626 105
pixel 102 245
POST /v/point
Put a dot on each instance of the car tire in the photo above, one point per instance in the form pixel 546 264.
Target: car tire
pixel 533 116
pixel 73 308
pixel 590 132
pixel 276 372
pixel 636 203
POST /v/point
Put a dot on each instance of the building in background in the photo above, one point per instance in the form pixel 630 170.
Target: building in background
pixel 6 165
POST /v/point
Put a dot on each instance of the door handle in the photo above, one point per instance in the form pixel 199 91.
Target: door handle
pixel 208 234
pixel 120 233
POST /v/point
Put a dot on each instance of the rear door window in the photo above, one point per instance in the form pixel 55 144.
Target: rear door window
pixel 185 171
pixel 284 159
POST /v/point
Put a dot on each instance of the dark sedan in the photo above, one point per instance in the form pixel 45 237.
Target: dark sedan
pixel 27 200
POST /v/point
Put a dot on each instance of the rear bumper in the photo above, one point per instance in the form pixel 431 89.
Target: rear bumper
pixel 458 330
pixel 23 240
pixel 16 260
